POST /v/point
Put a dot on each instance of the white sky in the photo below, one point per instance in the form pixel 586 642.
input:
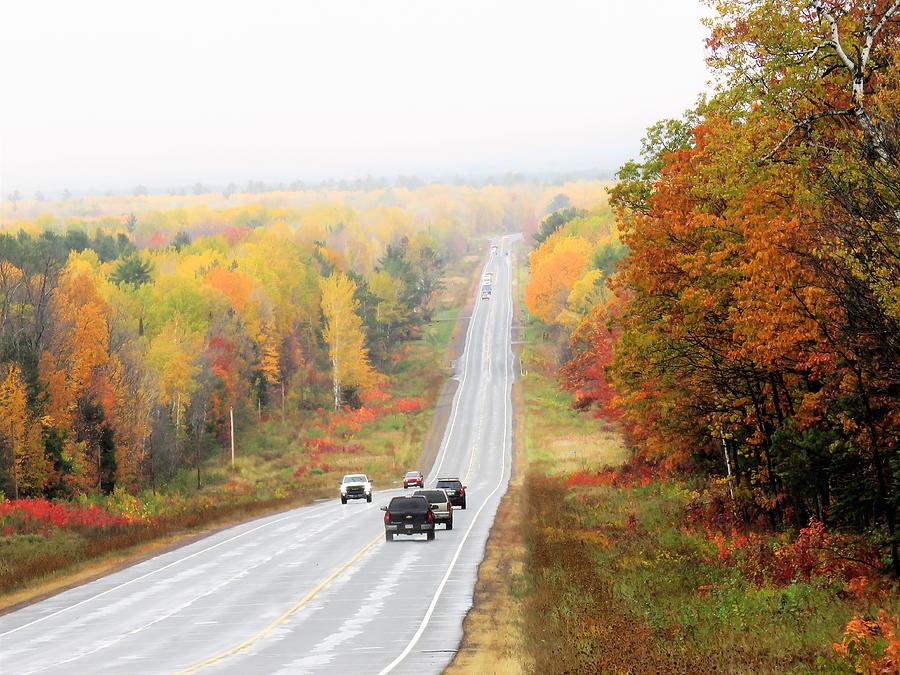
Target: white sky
pixel 106 95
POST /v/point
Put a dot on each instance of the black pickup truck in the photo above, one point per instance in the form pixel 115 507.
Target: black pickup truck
pixel 408 515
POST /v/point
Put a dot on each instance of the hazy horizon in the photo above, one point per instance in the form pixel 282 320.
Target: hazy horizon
pixel 107 96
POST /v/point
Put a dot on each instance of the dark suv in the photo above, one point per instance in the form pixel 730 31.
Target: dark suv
pixel 454 489
pixel 408 515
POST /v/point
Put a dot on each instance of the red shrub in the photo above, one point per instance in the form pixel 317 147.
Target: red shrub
pixel 408 405
pixel 320 446
pixel 634 473
pixel 872 646
pixel 33 516
pixel 815 553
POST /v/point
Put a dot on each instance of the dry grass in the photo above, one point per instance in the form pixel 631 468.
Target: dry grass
pixel 493 640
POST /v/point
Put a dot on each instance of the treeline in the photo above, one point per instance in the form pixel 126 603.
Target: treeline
pixel 754 327
pixel 125 342
pixel 368 184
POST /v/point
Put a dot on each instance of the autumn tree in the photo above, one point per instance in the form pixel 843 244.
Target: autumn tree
pixel 27 469
pixel 555 268
pixel 760 314
pixel 344 336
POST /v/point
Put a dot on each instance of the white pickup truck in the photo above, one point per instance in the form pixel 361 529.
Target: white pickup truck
pixel 356 486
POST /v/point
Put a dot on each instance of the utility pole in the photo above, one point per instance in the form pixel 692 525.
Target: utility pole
pixel 231 415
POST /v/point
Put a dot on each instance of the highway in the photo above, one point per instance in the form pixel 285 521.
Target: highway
pixel 312 590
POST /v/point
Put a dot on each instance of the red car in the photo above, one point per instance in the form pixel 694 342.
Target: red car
pixel 413 479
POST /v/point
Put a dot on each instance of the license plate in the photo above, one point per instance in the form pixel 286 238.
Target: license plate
pixel 409 527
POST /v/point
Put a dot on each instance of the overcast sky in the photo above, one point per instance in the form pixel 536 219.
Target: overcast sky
pixel 106 95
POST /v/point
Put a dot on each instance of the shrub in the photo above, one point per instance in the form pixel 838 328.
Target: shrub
pixel 873 645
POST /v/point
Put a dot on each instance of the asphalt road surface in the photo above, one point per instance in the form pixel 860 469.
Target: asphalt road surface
pixel 316 589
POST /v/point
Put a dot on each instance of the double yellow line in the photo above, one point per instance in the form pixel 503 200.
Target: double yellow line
pixel 286 615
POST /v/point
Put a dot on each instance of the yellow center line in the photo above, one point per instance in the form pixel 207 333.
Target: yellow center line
pixel 286 615
pixel 471 462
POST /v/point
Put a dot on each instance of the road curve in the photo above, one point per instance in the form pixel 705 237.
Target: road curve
pixel 316 589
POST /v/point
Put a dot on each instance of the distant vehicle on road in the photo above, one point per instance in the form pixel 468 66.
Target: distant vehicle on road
pixel 485 292
pixel 440 505
pixel 408 515
pixel 413 479
pixel 488 279
pixel 494 249
pixel 455 490
pixel 356 486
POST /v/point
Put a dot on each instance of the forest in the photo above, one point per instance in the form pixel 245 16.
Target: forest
pixel 132 328
pixel 741 315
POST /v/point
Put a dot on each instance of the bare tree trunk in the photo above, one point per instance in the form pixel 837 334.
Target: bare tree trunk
pixel 336 385
pixel 15 470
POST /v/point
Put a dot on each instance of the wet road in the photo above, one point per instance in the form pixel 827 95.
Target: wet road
pixel 316 589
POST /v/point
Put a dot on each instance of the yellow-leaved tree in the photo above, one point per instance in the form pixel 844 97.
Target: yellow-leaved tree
pixel 30 470
pixel 344 336
pixel 556 266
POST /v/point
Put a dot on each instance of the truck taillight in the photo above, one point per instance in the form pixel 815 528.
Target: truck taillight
pixel 430 517
pixel 449 506
pixel 387 517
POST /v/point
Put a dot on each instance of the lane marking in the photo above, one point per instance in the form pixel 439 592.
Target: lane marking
pixel 302 512
pixel 471 463
pixel 507 440
pixel 287 614
pixel 143 576
pixel 488 358
pixel 445 442
pixel 109 642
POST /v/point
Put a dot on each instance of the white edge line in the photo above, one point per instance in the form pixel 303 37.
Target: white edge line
pixel 143 576
pixel 278 520
pixel 507 443
pixel 292 514
pixel 436 473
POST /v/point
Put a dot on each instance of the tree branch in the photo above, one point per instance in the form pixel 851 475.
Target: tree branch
pixel 835 35
pixel 805 124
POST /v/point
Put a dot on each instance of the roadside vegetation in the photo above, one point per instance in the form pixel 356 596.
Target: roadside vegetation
pixel 319 321
pixel 601 562
pixel 730 315
pixel 280 463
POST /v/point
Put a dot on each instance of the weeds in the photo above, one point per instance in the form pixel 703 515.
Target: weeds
pixel 631 569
